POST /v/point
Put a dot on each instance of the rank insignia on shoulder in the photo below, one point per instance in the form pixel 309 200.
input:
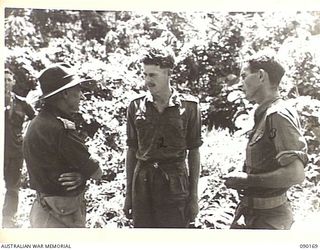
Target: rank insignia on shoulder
pixel 67 123
pixel 190 98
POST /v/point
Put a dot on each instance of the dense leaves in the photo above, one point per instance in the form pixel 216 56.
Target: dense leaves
pixel 209 48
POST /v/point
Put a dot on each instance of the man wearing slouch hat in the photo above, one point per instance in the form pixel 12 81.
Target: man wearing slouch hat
pixel 57 159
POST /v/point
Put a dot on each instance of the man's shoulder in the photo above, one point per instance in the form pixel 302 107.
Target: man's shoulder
pixel 284 110
pixel 281 107
pixel 48 121
pixel 188 98
pixel 137 98
pixel 67 124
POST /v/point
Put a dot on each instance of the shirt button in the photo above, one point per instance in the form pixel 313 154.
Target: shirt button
pixel 62 211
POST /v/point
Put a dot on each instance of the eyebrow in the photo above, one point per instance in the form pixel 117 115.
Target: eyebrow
pixel 150 74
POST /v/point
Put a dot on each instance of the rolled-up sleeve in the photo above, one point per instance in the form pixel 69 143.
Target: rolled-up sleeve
pixel 288 139
pixel 193 138
pixel 132 140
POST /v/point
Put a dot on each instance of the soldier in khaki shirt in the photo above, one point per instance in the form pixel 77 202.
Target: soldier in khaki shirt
pixel 275 154
pixel 17 111
pixel 163 129
pixel 57 159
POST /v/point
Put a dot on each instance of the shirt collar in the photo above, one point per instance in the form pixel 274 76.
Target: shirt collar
pixel 174 99
pixel 21 98
pixel 264 106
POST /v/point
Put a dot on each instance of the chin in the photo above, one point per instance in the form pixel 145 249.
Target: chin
pixel 249 98
pixel 75 110
pixel 152 91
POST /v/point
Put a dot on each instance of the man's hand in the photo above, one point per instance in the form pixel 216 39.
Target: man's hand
pixel 236 180
pixel 192 209
pixel 127 209
pixel 71 180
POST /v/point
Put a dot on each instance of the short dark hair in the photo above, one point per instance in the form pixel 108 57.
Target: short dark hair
pixel 160 57
pixel 24 81
pixel 270 65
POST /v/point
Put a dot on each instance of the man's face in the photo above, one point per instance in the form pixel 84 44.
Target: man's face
pixel 9 82
pixel 72 98
pixel 251 83
pixel 156 78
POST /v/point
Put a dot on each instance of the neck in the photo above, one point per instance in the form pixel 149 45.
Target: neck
pixel 59 109
pixel 269 97
pixel 162 98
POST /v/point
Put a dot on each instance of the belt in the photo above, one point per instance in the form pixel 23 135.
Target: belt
pixel 163 164
pixel 263 203
pixel 165 167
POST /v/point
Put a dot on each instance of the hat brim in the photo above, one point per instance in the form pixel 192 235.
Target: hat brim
pixel 71 84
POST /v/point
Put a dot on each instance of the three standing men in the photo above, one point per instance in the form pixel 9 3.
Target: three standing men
pixel 163 129
pixel 275 154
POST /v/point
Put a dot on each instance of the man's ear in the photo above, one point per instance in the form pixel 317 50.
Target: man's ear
pixel 262 75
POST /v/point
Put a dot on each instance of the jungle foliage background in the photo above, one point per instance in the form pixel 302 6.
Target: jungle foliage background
pixel 209 48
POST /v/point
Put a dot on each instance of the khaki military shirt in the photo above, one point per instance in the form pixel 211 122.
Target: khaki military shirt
pixel 275 141
pixel 164 136
pixel 15 115
pixel 52 146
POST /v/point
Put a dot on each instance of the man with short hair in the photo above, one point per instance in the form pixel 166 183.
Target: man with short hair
pixel 163 129
pixel 57 159
pixel 18 83
pixel 275 154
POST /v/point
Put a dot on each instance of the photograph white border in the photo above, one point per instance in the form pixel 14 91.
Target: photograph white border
pixel 156 238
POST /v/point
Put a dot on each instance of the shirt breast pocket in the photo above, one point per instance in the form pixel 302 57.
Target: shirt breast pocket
pixel 260 152
pixel 175 132
pixel 144 128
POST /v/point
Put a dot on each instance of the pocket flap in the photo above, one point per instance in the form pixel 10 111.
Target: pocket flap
pixel 63 205
pixel 258 134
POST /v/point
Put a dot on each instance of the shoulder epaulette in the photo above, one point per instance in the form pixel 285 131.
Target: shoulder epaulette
pixel 138 96
pixel 67 124
pixel 189 98
pixel 276 107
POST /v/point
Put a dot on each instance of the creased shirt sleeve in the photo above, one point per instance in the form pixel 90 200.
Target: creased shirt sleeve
pixel 193 137
pixel 132 140
pixel 288 139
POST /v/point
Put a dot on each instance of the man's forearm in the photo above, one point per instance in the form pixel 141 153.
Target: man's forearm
pixel 194 171
pixel 283 177
pixel 131 162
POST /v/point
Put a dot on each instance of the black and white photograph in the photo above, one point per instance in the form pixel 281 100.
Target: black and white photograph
pixel 181 120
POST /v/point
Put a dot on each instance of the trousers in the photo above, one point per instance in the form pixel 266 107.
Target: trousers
pixel 280 217
pixel 12 177
pixel 58 212
pixel 160 196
